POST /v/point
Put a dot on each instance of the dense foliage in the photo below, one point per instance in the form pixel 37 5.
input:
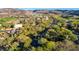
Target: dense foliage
pixel 40 32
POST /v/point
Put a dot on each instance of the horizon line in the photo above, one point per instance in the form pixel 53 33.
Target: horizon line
pixel 47 8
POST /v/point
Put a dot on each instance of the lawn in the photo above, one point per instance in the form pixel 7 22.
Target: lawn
pixel 6 19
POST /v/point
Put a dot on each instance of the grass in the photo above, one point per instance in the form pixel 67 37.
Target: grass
pixel 6 19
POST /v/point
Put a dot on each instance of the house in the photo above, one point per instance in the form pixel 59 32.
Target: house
pixel 16 26
pixel 46 17
pixel 0 24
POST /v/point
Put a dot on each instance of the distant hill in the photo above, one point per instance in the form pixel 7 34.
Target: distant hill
pixel 8 12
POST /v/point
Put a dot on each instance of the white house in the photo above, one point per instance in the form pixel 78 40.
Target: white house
pixel 47 18
pixel 18 26
pixel 0 24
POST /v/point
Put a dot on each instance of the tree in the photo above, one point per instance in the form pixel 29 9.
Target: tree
pixel 68 34
pixel 51 45
pixel 27 42
pixel 60 33
pixel 14 46
pixel 66 46
pixel 25 39
pixel 39 48
pixel 42 41
pixel 33 48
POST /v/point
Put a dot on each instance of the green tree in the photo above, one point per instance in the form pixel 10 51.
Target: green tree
pixel 51 45
pixel 14 46
pixel 42 41
pixel 39 49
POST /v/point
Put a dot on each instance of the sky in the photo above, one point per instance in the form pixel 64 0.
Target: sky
pixel 48 8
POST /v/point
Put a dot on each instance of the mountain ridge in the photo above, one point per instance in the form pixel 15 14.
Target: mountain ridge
pixel 5 12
